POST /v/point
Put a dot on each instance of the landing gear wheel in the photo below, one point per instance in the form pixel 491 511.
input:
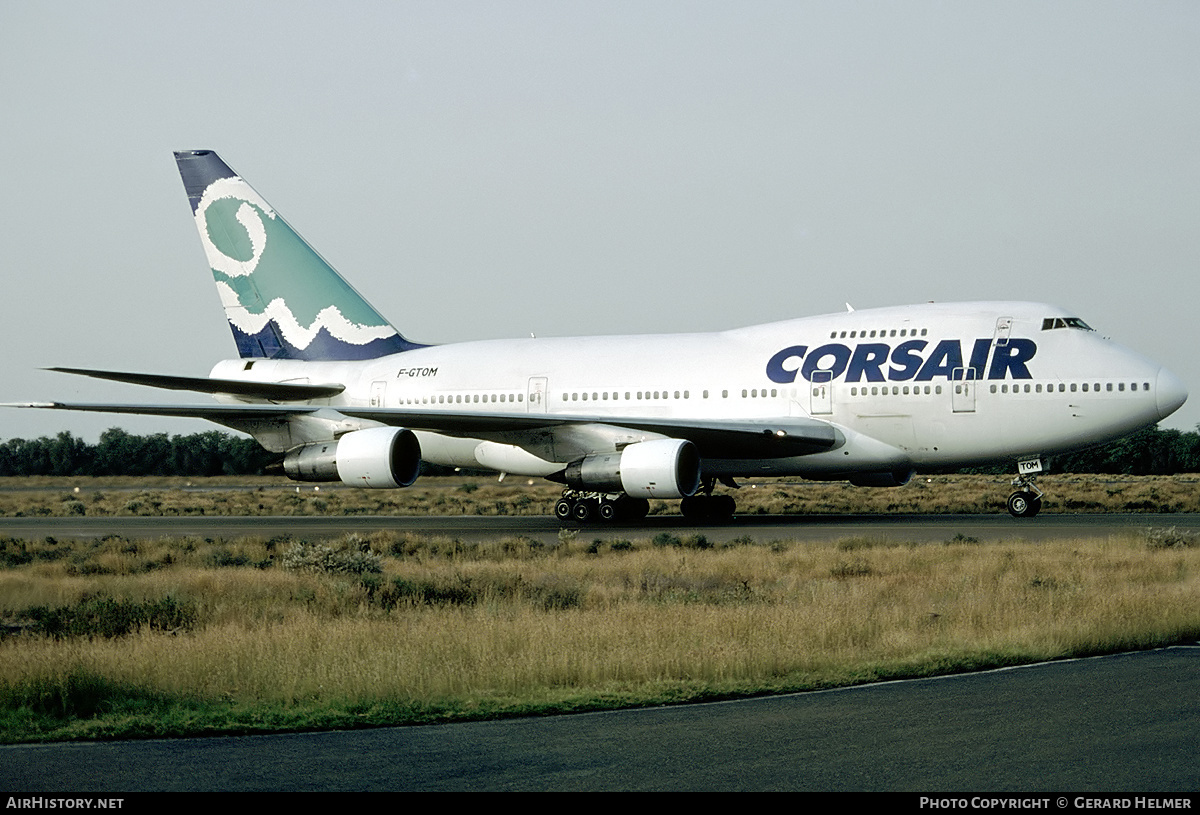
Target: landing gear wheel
pixel 1022 504
pixel 584 510
pixel 708 507
pixel 608 511
pixel 694 507
pixel 634 509
pixel 723 506
pixel 564 509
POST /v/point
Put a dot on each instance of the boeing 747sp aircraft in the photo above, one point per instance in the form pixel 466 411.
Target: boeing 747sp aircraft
pixel 870 396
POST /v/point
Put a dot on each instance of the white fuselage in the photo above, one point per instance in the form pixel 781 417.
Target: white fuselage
pixel 912 387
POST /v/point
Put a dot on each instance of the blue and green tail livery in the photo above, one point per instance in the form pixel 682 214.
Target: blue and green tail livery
pixel 282 299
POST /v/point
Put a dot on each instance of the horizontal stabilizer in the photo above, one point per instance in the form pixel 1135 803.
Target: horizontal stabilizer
pixel 276 391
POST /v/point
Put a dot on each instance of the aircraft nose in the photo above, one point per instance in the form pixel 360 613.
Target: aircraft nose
pixel 1170 393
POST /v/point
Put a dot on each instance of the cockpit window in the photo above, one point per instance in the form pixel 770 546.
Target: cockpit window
pixel 1065 322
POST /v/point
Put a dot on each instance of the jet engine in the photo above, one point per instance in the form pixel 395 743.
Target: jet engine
pixel 379 457
pixel 895 478
pixel 664 468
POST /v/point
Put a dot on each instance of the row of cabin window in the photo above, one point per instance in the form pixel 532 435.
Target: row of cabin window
pixel 903 332
pixel 754 393
pixel 602 396
pixel 1027 388
pixel 897 390
pixel 459 398
pixel 1073 387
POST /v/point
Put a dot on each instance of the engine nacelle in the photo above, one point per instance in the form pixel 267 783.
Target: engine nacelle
pixel 665 468
pixel 379 458
pixel 896 478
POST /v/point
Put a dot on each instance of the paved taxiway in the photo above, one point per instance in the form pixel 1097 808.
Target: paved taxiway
pixel 1124 723
pixel 916 528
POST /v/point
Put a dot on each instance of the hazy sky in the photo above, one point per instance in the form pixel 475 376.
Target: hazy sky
pixel 491 169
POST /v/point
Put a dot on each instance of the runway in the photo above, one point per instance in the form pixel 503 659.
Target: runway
pixel 762 528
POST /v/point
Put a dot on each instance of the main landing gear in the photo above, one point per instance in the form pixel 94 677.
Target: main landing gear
pixel 586 507
pixel 708 507
pixel 704 506
pixel 1027 500
pixel 590 507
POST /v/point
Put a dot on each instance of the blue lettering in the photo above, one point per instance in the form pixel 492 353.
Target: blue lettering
pixel 775 370
pixel 1012 358
pixel 840 354
pixel 906 357
pixel 867 360
pixel 979 357
pixel 909 361
pixel 945 358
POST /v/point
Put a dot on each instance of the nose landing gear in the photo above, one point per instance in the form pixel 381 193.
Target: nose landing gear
pixel 1027 500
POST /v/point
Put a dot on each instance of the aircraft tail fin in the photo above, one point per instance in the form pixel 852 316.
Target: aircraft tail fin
pixel 282 299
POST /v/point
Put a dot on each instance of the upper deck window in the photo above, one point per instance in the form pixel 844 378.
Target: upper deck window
pixel 1065 322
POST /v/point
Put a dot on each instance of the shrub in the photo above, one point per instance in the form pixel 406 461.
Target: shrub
pixel 1170 538
pixel 309 557
pixel 109 618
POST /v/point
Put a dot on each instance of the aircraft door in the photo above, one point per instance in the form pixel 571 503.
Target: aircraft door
pixel 378 393
pixel 1003 331
pixel 962 393
pixel 539 391
pixel 821 393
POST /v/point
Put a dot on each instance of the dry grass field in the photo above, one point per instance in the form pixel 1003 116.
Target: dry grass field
pixel 122 638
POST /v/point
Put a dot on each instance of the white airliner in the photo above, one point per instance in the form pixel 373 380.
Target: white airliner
pixel 870 396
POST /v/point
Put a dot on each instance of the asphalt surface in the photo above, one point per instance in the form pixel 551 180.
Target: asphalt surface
pixel 917 528
pixel 1125 723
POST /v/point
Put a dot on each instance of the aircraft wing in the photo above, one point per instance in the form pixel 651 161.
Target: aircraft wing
pixel 715 438
pixel 237 387
pixel 213 412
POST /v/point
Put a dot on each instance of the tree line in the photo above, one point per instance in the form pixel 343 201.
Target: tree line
pixel 1152 451
pixel 122 453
